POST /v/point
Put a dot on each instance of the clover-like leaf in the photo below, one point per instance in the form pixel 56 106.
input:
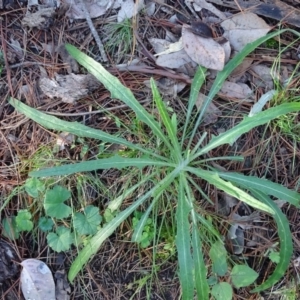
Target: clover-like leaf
pixel 23 220
pixel 54 202
pixel 242 275
pixel 87 222
pixel 61 240
pixel 222 291
pixel 45 224
pixel 34 186
pixel 218 255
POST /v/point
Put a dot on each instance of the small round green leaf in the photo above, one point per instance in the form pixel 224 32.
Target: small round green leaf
pixel 222 291
pixel 54 202
pixel 87 222
pixel 45 224
pixel 34 186
pixel 23 220
pixel 61 240
pixel 218 255
pixel 242 275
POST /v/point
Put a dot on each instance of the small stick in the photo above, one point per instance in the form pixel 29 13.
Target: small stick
pixel 93 31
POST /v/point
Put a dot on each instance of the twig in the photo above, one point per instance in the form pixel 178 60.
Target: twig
pixel 93 31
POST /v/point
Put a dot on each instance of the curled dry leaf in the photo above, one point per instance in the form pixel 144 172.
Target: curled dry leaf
pixel 37 280
pixel 204 51
pixel 243 29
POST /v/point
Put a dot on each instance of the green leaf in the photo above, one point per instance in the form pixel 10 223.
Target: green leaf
pixel 198 81
pixel 54 202
pixel 45 224
pixel 274 257
pixel 263 185
pixel 96 241
pixel 117 90
pixel 61 240
pixel 117 162
pixel 76 128
pixel 183 243
pixel 222 291
pixel 285 240
pixel 163 113
pixel 201 281
pixel 141 223
pixel 23 220
pixel 214 179
pixel 9 228
pixel 242 275
pixel 34 187
pixel 88 222
pixel 218 255
pixel 230 136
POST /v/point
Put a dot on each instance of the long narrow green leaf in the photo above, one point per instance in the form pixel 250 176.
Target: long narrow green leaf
pixel 285 239
pixel 117 90
pixel 263 185
pixel 200 271
pixel 96 241
pixel 214 179
pixel 230 66
pixel 175 148
pixel 201 283
pixel 183 244
pixel 76 128
pixel 247 124
pixel 138 231
pixel 197 83
pixel 116 162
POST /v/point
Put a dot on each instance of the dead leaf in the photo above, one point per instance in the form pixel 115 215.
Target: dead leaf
pixel 62 289
pixel 41 19
pixel 37 280
pixel 243 29
pixel 264 78
pixel 204 51
pixel 129 9
pixel 171 48
pixel 68 88
pixel 236 90
pixel 212 113
pixel 94 8
pixel 211 8
pixel 173 60
pixel 8 266
pixel 241 69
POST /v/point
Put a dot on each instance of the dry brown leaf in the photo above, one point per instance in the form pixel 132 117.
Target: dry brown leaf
pixel 68 88
pixel 173 60
pixel 243 29
pixel 129 8
pixel 212 113
pixel 204 51
pixel 264 78
pixel 237 90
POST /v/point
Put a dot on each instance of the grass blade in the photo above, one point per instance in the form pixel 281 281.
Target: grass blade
pixel 263 185
pixel 117 89
pixel 116 162
pixel 183 244
pixel 78 129
pixel 163 113
pixel 197 83
pixel 201 284
pixel 247 124
pixel 285 239
pixel 96 241
pixel 214 179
